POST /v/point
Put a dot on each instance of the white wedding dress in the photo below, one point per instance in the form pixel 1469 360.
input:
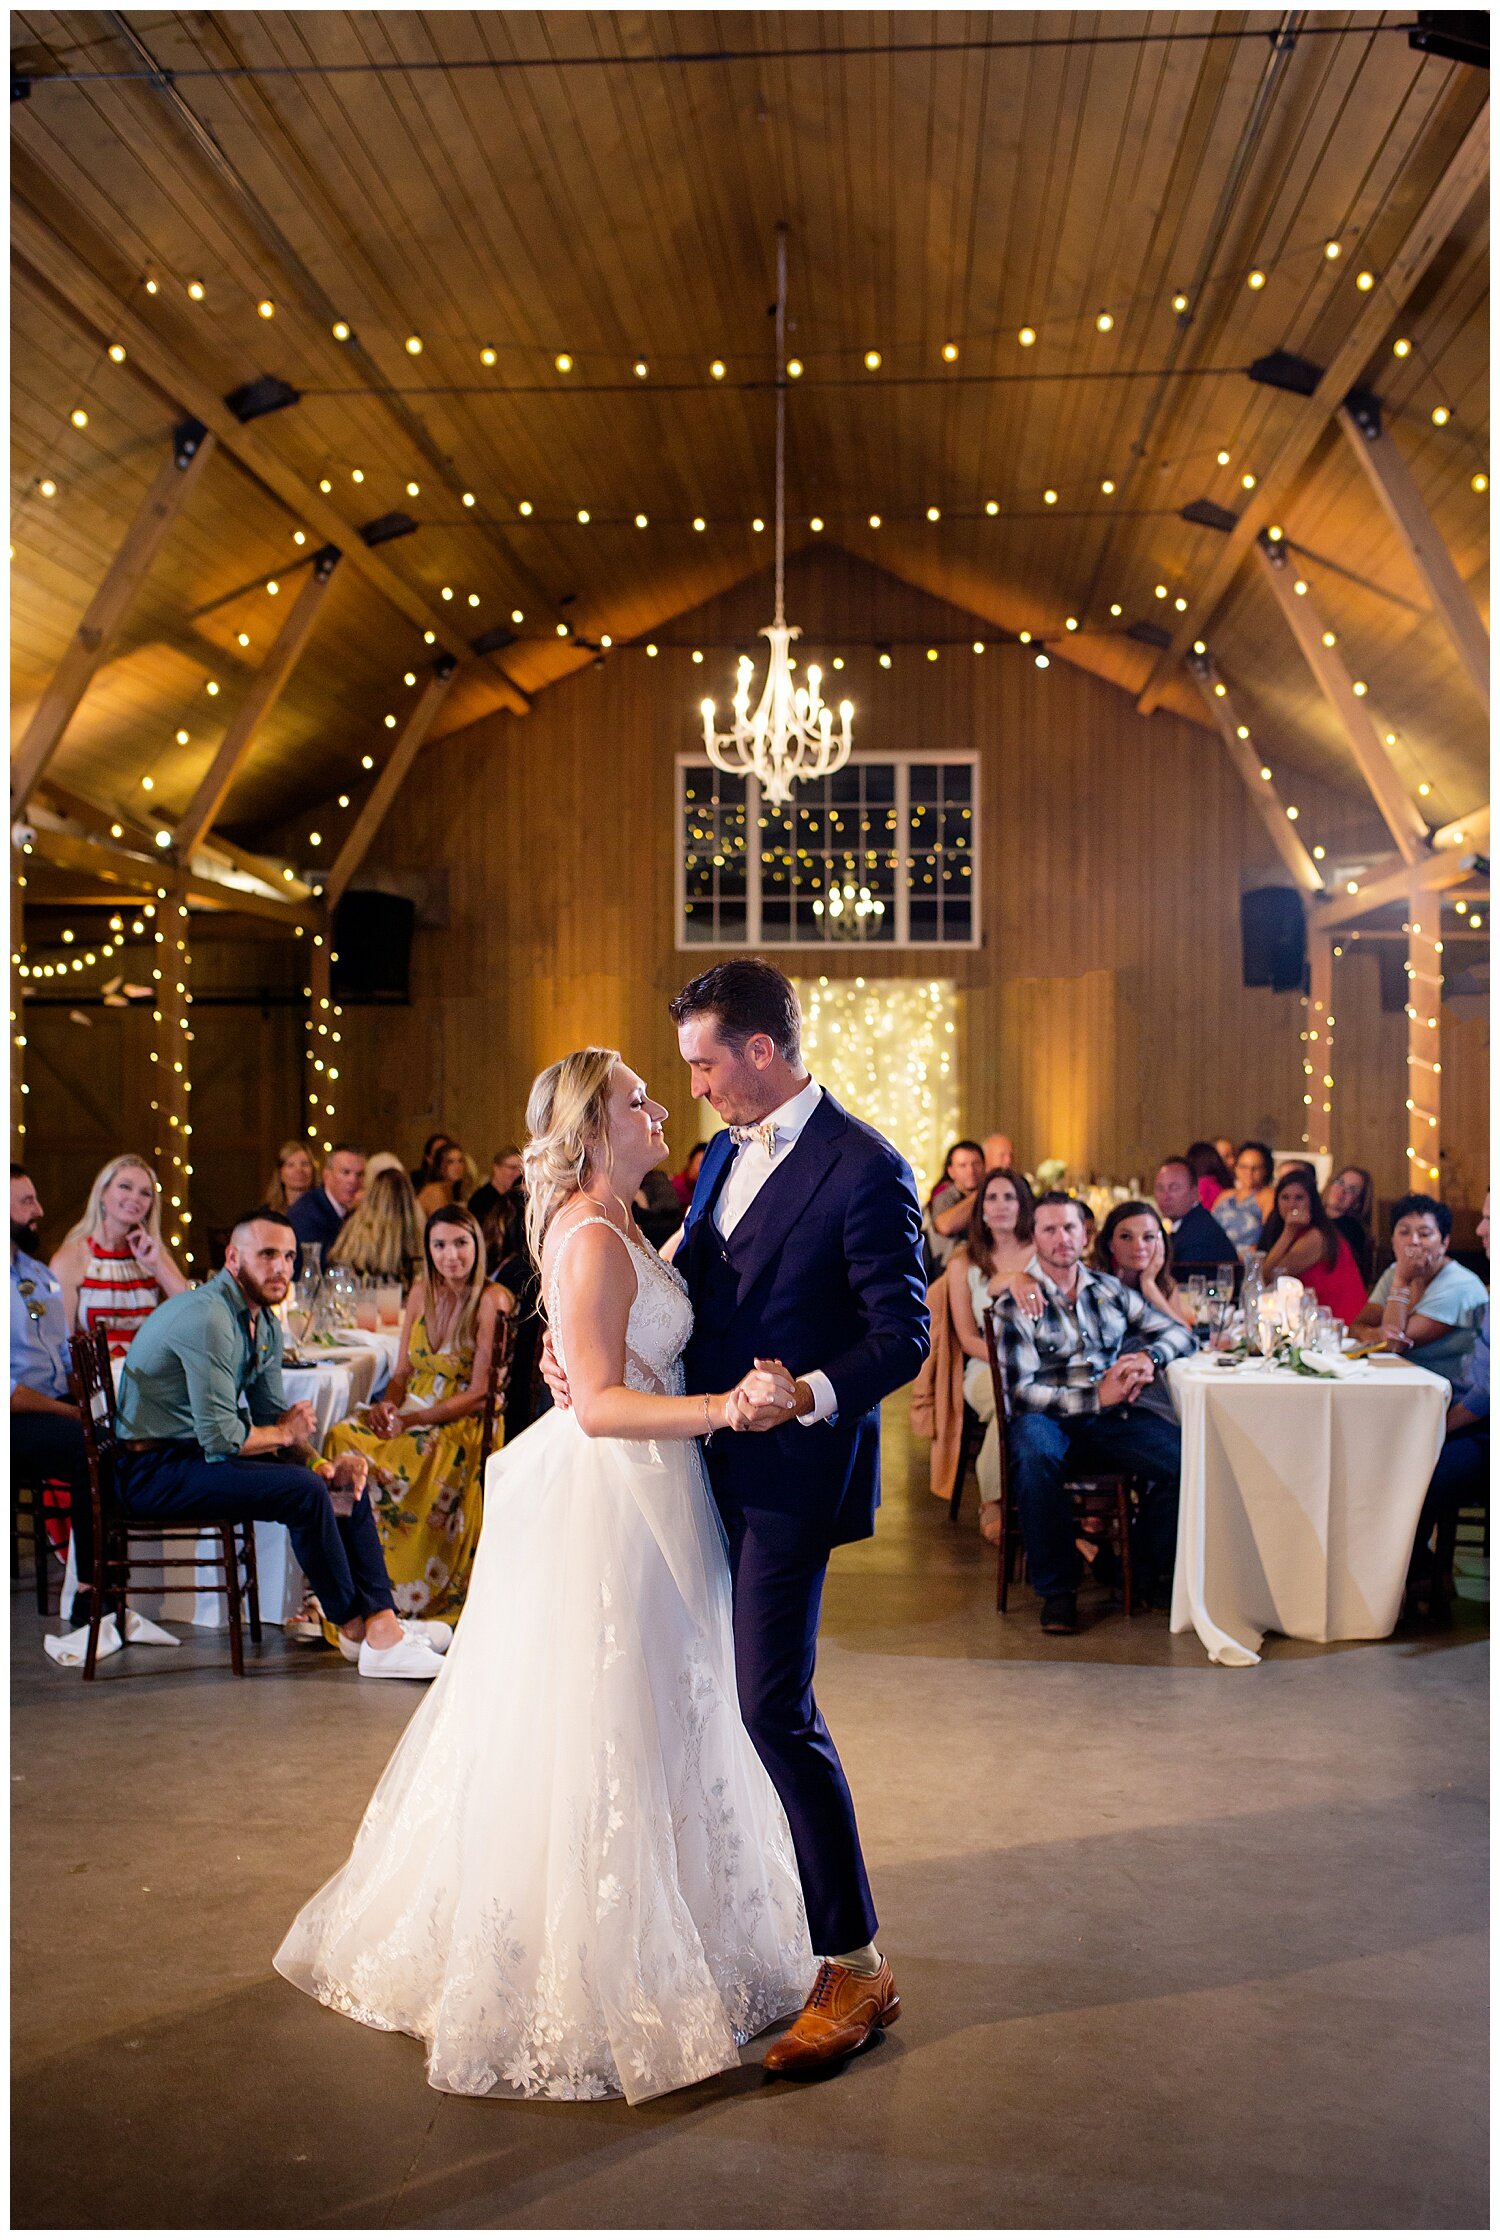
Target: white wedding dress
pixel 574 1878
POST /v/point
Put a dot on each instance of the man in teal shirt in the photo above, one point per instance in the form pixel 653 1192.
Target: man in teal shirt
pixel 205 1431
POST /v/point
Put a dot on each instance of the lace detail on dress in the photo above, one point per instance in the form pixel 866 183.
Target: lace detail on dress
pixel 574 1878
pixel 661 1320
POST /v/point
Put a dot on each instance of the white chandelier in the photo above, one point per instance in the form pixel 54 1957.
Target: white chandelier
pixel 790 737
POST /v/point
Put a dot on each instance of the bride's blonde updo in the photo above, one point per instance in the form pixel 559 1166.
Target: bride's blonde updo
pixel 567 1118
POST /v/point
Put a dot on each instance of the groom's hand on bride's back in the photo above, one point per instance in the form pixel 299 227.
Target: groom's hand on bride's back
pixel 552 1375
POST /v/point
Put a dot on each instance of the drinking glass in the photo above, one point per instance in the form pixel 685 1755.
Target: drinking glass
pixel 1225 1276
pixel 366 1310
pixel 312 1261
pixel 1324 1340
pixel 388 1305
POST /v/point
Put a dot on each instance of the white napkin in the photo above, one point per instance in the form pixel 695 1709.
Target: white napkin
pixel 1331 1364
pixel 72 1648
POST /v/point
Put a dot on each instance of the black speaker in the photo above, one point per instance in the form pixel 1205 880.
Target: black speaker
pixel 372 947
pixel 1273 938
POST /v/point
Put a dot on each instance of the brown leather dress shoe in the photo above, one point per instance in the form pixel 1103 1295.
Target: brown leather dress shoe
pixel 842 2011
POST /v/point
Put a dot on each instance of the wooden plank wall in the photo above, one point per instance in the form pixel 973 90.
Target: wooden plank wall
pixel 1105 1020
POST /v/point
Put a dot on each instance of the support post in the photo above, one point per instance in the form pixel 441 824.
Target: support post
pixel 1403 819
pixel 171 1061
pixel 1424 1048
pixel 18 1087
pixel 372 810
pixel 1391 479
pixel 1262 790
pixel 265 690
pixel 1317 1052
pixel 322 1035
pixel 192 447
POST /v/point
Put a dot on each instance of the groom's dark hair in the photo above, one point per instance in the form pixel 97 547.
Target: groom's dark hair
pixel 747 996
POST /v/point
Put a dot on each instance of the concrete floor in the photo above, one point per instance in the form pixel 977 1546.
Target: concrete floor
pixel 1177 1946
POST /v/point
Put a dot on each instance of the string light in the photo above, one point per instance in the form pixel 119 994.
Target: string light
pixel 886 1050
pixel 1364 281
pixel 340 330
pixel 563 362
pixel 1104 322
pixel 1255 279
pixel 1026 337
pixel 950 352
pixel 266 308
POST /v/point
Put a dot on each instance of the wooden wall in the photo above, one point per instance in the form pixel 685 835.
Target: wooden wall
pixel 1104 1018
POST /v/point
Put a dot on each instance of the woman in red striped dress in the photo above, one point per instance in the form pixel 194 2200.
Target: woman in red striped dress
pixel 114 1267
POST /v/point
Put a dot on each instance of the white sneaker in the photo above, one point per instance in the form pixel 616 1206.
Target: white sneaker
pixel 406 1659
pixel 436 1632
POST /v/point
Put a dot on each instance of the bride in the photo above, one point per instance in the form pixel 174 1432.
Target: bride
pixel 574 1878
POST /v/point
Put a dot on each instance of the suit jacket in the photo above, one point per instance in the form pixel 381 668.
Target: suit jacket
pixel 1199 1242
pixel 315 1219
pixel 823 1271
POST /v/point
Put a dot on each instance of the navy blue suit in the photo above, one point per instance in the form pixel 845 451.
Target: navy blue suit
pixel 315 1219
pixel 823 1271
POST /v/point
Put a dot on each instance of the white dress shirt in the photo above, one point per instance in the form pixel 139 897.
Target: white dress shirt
pixel 748 1171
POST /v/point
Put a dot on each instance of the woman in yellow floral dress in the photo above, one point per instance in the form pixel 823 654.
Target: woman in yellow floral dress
pixel 422 1438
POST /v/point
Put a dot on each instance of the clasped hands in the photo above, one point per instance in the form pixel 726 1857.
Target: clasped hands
pixel 763 1400
pixel 1125 1378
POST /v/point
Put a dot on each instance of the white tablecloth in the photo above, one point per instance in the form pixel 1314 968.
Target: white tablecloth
pixel 1299 1501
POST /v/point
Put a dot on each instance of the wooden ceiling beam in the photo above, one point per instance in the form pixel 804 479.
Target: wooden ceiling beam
pixel 266 689
pixel 1391 882
pixel 58 269
pixel 129 874
pixel 1462 179
pixel 1403 819
pixel 383 792
pixel 1262 790
pixel 1471 833
pixel 1391 480
pixel 193 446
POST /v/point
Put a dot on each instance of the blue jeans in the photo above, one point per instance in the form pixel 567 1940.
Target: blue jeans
pixel 1046 1450
pixel 1460 1478
pixel 342 1556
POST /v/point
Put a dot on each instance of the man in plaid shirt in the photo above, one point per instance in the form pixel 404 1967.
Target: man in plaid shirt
pixel 1074 1376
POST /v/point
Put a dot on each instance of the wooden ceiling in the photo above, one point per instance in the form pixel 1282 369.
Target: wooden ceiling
pixel 608 186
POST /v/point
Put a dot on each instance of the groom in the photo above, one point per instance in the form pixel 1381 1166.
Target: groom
pixel 802 1249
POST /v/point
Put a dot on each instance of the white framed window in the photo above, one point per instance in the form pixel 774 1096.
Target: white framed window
pixel 882 855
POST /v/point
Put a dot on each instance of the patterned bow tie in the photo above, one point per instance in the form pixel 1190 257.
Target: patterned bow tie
pixel 764 1133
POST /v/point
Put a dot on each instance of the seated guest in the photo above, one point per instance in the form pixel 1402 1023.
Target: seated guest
pixel 1243 1210
pixel 1224 1145
pixel 1208 1164
pixel 1134 1246
pixel 383 1235
pixel 1074 1377
pixel 952 1202
pixel 687 1182
pixel 379 1162
pixel 504 1182
pixel 112 1264
pixel 1350 1198
pixel 46 1435
pixel 421 1441
pixel 1426 1307
pixel 1197 1239
pixel 426 1168
pixel 452 1174
pixel 319 1214
pixel 990 1262
pixel 1462 1476
pixel 998 1151
pixel 294 1175
pixel 205 1431
pixel 1301 1239
pixel 657 1210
